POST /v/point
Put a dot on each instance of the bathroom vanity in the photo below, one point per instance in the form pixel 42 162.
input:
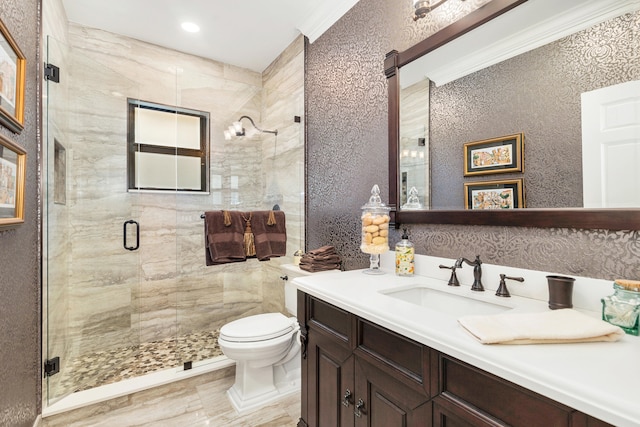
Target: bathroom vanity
pixel 370 358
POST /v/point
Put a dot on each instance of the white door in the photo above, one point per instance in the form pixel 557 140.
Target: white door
pixel 611 146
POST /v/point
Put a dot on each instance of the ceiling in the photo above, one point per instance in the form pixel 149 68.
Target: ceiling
pixel 247 33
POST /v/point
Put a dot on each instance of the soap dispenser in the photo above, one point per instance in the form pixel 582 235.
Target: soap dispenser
pixel 405 256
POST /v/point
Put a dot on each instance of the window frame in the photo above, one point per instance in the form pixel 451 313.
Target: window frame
pixel 133 146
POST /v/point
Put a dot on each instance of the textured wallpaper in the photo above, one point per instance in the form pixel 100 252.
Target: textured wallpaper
pixel 347 153
pixel 19 246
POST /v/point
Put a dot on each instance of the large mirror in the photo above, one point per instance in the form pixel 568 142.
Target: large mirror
pixel 518 68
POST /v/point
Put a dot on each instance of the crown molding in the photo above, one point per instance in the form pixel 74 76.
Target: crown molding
pixel 327 13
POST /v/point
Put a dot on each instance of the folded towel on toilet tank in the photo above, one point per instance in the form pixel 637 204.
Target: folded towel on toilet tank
pixel 322 259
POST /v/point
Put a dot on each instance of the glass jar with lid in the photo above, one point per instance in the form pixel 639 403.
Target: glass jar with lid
pixel 375 230
pixel 623 307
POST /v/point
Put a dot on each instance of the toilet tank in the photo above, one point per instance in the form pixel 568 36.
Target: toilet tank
pixel 291 292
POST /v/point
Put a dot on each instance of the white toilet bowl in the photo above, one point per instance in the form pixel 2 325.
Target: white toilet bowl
pixel 266 348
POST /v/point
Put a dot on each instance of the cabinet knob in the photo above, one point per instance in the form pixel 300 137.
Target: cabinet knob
pixel 347 398
pixel 359 407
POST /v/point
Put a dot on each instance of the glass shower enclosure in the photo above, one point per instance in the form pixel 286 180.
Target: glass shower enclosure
pixel 91 229
pixel 126 289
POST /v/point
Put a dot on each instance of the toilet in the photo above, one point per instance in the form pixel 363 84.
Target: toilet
pixel 266 348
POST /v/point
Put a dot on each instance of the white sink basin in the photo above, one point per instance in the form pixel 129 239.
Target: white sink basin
pixel 456 305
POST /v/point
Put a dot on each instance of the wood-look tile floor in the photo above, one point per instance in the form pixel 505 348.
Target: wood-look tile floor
pixel 195 402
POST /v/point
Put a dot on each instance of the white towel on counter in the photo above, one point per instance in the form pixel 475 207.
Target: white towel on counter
pixel 548 327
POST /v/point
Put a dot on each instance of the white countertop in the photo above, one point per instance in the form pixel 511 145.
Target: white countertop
pixel 599 379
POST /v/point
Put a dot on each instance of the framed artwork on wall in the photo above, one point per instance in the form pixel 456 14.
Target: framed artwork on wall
pixel 13 160
pixel 495 155
pixel 12 80
pixel 505 194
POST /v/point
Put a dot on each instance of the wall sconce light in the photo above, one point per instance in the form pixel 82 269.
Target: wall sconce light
pixel 423 7
pixel 236 128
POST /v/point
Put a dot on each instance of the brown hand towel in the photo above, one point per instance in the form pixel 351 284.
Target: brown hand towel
pixel 322 259
pixel 270 234
pixel 224 243
pixel 323 250
pixel 314 268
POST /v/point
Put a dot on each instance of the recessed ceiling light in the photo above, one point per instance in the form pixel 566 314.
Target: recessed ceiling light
pixel 190 27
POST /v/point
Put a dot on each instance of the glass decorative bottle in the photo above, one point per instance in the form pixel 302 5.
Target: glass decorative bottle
pixel 413 201
pixel 405 256
pixel 623 307
pixel 375 230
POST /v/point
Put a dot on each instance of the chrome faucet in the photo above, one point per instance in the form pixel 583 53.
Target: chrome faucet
pixel 477 272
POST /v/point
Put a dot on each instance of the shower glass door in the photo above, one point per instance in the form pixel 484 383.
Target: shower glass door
pixel 91 226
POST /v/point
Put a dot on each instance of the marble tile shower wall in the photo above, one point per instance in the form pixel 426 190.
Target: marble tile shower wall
pixel 117 297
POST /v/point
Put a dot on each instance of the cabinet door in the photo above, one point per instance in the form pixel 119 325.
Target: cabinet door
pixel 447 413
pixel 329 382
pixel 384 401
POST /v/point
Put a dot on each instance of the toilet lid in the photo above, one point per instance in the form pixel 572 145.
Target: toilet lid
pixel 257 328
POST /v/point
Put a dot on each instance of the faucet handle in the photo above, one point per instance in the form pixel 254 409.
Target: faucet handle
pixel 502 289
pixel 453 280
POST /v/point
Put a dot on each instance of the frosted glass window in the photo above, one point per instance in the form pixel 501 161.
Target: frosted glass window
pixel 166 129
pixel 167 148
pixel 162 171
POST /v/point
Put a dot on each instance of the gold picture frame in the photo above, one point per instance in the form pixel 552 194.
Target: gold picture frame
pixel 12 81
pixel 496 195
pixel 13 162
pixel 495 155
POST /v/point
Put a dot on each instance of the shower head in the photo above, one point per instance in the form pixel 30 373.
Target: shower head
pixel 236 128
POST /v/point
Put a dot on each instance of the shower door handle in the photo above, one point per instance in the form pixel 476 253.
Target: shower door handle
pixel 124 237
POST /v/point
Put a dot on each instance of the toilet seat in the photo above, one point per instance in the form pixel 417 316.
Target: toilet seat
pixel 260 327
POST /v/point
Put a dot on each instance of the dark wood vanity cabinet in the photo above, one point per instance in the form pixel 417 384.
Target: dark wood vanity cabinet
pixel 356 373
pixel 330 382
pixel 392 378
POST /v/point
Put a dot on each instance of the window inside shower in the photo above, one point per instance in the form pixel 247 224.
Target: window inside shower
pixel 167 147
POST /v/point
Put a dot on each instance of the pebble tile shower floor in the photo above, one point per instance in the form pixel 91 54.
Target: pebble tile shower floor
pixel 106 367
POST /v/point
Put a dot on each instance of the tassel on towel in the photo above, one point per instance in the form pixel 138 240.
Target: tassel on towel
pixel 249 239
pixel 227 218
pixel 272 218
